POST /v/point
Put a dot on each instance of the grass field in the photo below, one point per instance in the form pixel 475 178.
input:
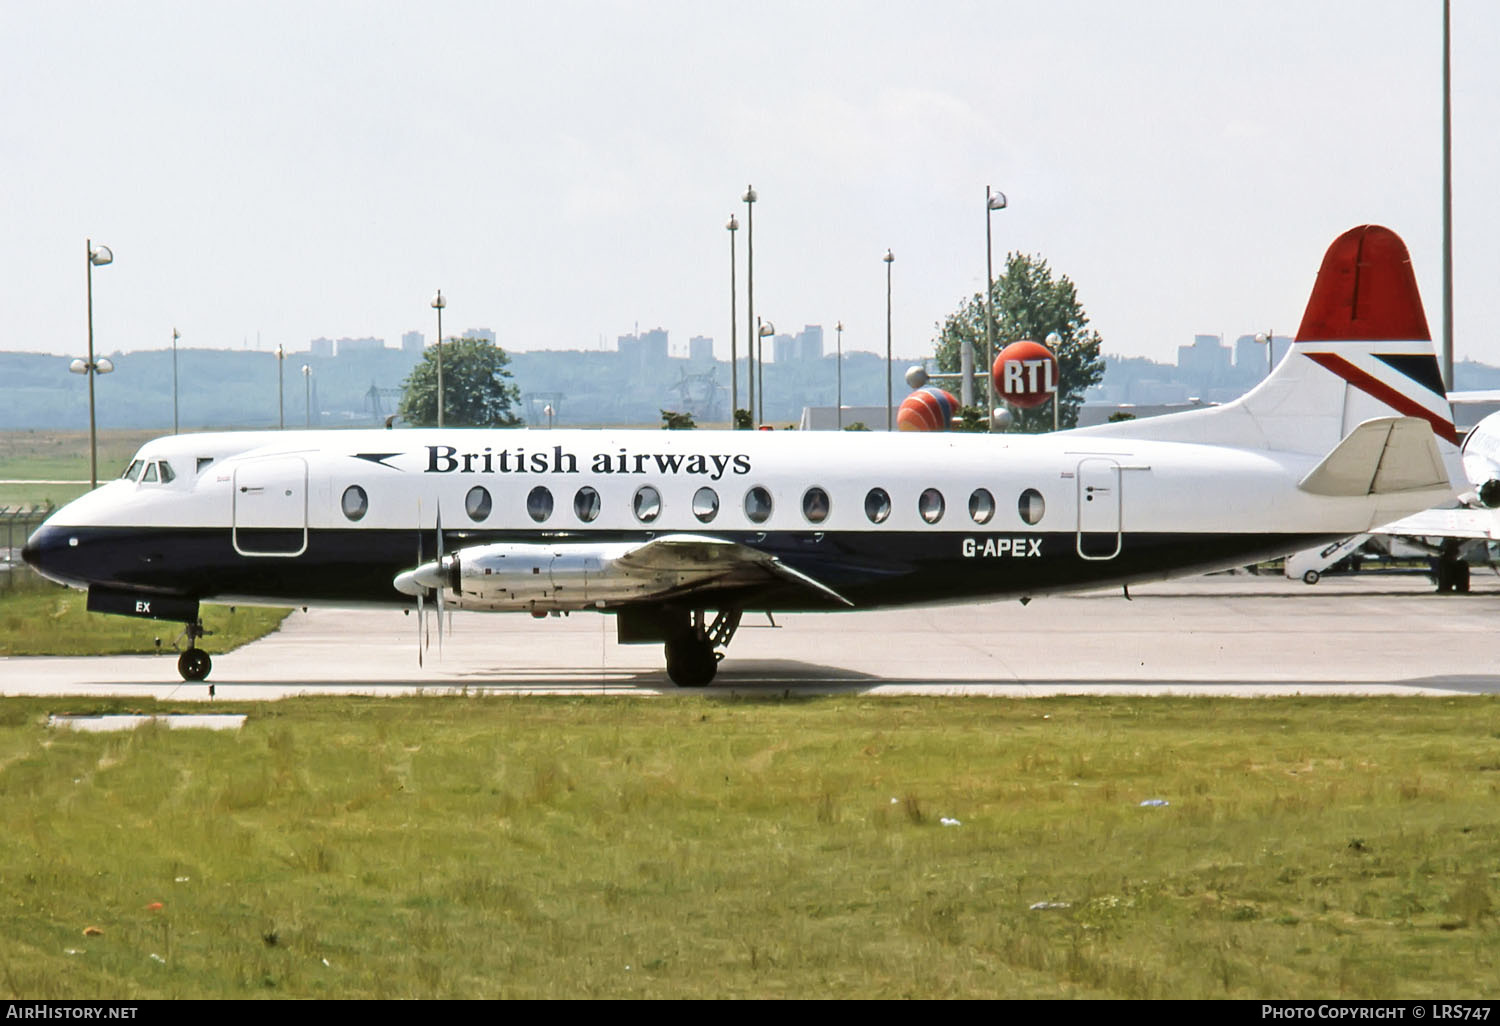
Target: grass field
pixel 708 846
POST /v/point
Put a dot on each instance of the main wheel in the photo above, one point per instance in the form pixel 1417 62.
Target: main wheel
pixel 1311 577
pixel 194 664
pixel 691 663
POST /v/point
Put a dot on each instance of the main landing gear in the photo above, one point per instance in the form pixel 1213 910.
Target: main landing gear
pixel 194 663
pixel 1450 571
pixel 691 657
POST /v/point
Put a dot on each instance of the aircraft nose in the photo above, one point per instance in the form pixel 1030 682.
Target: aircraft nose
pixel 45 552
pixel 31 552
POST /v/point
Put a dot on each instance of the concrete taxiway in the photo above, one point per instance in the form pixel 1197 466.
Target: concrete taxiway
pixel 1230 634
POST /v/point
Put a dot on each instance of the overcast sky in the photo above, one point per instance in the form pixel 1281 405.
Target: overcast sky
pixel 563 170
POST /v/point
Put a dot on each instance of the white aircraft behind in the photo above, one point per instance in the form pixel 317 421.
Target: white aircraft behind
pixel 677 534
pixel 1447 534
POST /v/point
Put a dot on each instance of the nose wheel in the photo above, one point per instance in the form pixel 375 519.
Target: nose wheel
pixel 194 663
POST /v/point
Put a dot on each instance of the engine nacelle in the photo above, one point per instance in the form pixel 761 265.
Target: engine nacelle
pixel 542 578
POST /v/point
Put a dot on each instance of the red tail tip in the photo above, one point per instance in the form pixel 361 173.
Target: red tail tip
pixel 1365 291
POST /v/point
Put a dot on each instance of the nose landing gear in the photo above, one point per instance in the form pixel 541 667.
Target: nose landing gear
pixel 194 663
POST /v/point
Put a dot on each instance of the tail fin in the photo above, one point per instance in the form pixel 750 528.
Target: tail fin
pixel 1363 351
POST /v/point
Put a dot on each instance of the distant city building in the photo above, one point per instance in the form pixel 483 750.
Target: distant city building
pixel 350 346
pixel 700 349
pixel 810 343
pixel 784 349
pixel 321 347
pixel 1250 355
pixel 413 342
pixel 1207 359
pixel 645 350
pixel 482 333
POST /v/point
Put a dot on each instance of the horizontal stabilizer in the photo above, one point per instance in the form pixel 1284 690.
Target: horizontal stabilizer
pixel 1380 457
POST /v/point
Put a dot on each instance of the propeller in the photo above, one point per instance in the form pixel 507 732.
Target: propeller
pixel 421 592
pixel 441 575
pixel 427 575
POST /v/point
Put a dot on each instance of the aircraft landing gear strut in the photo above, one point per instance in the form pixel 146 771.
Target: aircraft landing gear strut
pixel 194 663
pixel 691 657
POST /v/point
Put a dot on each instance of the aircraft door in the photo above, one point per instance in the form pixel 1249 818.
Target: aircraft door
pixel 270 507
pixel 1099 507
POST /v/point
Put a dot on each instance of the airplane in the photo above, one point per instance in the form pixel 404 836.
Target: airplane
pixel 663 529
pixel 1447 534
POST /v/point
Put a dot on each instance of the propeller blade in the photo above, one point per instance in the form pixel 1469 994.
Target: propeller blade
pixel 440 585
pixel 421 606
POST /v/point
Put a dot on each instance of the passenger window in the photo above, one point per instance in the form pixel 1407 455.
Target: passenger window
pixel 478 503
pixel 539 503
pixel 355 502
pixel 705 504
pixel 166 472
pixel 150 477
pixel 930 505
pixel 586 504
pixel 647 504
pixel 1032 506
pixel 758 505
pixel 877 505
pixel 133 472
pixel 815 505
pixel 981 506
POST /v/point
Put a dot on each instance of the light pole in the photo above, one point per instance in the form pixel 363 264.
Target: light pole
pixel 734 356
pixel 889 362
pixel 762 331
pixel 307 391
pixel 438 303
pixel 749 197
pixel 96 257
pixel 280 388
pixel 992 201
pixel 839 399
pixel 175 337
pixel 1268 339
pixel 1053 341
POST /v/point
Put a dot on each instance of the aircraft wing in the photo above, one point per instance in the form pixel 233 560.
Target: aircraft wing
pixel 1475 524
pixel 702 561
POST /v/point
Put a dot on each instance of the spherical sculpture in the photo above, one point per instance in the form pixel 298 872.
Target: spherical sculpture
pixel 1025 374
pixel 927 409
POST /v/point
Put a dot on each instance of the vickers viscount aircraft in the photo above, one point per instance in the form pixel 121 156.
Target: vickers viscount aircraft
pixel 677 534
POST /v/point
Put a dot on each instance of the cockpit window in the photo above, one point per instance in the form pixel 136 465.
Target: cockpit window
pixel 150 476
pixel 133 472
pixel 203 461
pixel 166 472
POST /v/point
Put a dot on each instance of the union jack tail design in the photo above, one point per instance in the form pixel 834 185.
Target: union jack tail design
pixel 1363 352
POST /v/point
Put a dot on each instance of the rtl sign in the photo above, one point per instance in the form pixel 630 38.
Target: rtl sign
pixel 1026 374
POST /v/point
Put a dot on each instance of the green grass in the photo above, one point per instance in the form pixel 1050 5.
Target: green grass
pixel 708 846
pixel 38 617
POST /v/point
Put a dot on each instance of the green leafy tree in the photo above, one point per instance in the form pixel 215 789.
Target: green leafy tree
pixel 479 391
pixel 743 421
pixel 671 420
pixel 1029 304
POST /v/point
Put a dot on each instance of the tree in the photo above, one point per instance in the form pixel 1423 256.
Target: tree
pixel 478 388
pixel 671 420
pixel 1029 304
